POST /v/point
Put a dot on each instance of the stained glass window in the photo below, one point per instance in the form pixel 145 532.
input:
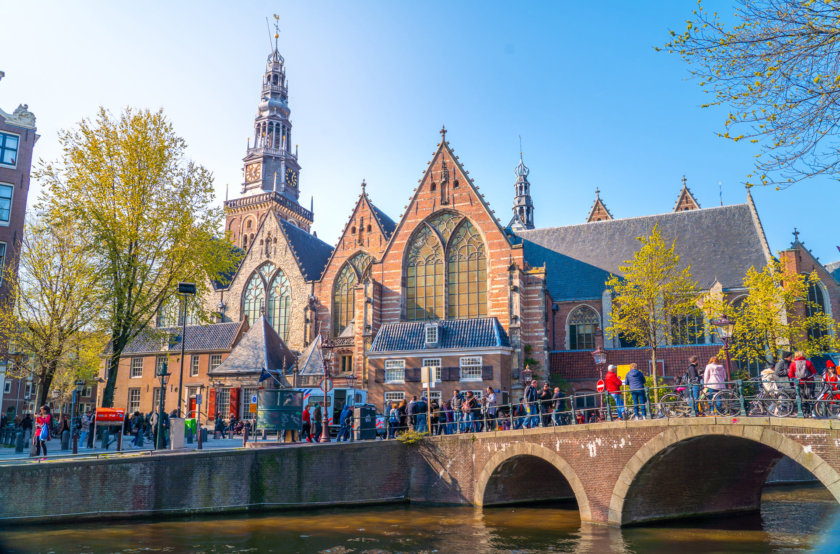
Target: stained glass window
pixel 279 302
pixel 444 223
pixel 467 269
pixel 688 330
pixel 343 298
pixel 424 277
pixel 815 306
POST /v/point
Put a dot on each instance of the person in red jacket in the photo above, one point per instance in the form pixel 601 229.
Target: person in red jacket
pixel 804 370
pixel 613 385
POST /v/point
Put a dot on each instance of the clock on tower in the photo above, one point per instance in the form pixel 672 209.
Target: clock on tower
pixel 252 172
pixel 291 177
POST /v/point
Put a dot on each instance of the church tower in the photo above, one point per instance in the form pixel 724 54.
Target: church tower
pixel 271 168
pixel 523 207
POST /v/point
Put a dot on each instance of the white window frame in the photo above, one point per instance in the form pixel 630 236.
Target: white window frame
pixel 135 361
pixel 86 391
pixel 131 392
pixel 393 369
pixel 158 361
pixel 7 387
pixel 479 394
pixel 467 362
pixel 431 333
pixel 194 361
pixel 27 390
pixel 7 222
pixel 393 396
pixel 435 363
pixel 215 361
pixel 246 402
pixel 2 260
pixel 223 394
pixel 436 395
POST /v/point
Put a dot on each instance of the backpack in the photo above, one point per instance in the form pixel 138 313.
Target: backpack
pixel 801 371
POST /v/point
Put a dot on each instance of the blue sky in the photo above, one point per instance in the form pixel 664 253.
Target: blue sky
pixel 372 82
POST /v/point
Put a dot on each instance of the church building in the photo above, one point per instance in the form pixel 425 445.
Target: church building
pixel 446 284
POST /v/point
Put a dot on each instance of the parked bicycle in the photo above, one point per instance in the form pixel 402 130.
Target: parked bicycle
pixel 771 400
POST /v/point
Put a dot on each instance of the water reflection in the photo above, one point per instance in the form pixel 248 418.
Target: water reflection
pixel 791 519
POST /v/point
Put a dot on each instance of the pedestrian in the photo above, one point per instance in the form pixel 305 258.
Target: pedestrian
pixel 26 426
pixel 545 405
pixel 402 410
pixel 218 426
pixel 317 415
pixel 420 407
pixel 558 406
pixel 64 425
pixel 42 431
pixel 447 418
pixel 305 426
pixel 436 417
pixel 85 423
pixel 412 413
pixel 692 381
pixel 91 429
pixel 137 428
pixel 782 368
pixel 393 420
pixel 457 415
pixel 345 418
pixel 714 379
pixel 490 402
pixel 635 380
pixel 804 371
pixel 531 396
pixel 613 384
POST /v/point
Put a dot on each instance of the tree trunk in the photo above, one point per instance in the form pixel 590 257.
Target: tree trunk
pixel 653 374
pixel 45 379
pixel 111 379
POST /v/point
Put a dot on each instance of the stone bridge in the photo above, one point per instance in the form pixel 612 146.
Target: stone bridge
pixel 623 473
pixel 618 473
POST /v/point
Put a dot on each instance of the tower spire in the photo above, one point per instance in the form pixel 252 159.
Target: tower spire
pixel 523 207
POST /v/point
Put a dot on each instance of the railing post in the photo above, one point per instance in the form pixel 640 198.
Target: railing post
pixel 607 404
pixel 510 415
pixel 647 403
pixel 798 399
pixel 574 415
pixel 741 397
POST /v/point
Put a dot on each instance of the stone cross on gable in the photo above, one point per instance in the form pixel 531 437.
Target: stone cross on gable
pixel 795 234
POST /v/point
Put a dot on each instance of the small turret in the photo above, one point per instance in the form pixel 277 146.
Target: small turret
pixel 523 207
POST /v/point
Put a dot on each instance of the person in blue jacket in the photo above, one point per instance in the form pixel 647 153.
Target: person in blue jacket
pixel 635 380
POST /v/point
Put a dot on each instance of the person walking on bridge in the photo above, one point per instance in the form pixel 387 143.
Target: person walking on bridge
pixel 612 383
pixel 42 431
pixel 457 417
pixel 532 396
pixel 714 379
pixel 804 371
pixel 636 381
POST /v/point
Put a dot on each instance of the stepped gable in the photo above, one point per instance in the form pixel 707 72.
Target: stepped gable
pixel 214 336
pixel 311 253
pixel 719 243
pixel 482 332
pixel 260 348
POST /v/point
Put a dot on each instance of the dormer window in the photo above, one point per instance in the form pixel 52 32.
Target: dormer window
pixel 432 335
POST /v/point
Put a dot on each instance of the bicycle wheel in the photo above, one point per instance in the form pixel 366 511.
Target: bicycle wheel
pixel 821 406
pixel 727 402
pixel 780 404
pixel 673 405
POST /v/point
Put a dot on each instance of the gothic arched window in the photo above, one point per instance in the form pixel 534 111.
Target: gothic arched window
pixel 279 304
pixel 424 276
pixel 815 306
pixel 583 321
pixel 254 298
pixel 344 297
pixel 467 273
pixel 688 330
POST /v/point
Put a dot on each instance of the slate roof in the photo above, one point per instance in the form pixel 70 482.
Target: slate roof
pixel 261 347
pixel 311 361
pixel 719 243
pixel 215 336
pixel 311 253
pixel 388 225
pixel 834 269
pixel 484 332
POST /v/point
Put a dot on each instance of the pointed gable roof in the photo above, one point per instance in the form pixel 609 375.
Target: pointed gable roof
pixel 385 222
pixel 686 200
pixel 260 348
pixel 310 252
pixel 311 361
pixel 599 211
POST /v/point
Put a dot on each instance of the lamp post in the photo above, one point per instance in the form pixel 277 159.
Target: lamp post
pixel 725 327
pixel 186 290
pixel 325 422
pixel 163 375
pixel 198 413
pixel 80 385
pixel 600 358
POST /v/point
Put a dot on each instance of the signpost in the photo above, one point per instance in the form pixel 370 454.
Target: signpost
pixel 198 415
pixel 110 417
pixel 427 376
pixel 600 385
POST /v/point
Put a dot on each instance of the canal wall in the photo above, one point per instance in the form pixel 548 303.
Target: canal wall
pixel 205 482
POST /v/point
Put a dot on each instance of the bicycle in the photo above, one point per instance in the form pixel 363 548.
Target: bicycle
pixel 827 402
pixel 772 401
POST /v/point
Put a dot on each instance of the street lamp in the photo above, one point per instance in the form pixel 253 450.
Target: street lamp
pixel 163 375
pixel 600 358
pixel 186 290
pixel 198 413
pixel 725 328
pixel 325 422
pixel 80 385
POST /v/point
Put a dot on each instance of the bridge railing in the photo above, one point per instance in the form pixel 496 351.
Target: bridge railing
pixel 742 398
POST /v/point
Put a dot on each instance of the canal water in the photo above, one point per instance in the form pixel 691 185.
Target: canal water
pixel 792 519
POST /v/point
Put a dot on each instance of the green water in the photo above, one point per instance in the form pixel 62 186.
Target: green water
pixel 792 519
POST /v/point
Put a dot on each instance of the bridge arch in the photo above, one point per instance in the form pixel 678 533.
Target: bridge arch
pixel 538 457
pixel 671 469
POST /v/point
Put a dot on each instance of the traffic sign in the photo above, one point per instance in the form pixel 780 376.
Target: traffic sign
pixel 600 385
pixel 326 384
pixel 253 399
pixel 198 399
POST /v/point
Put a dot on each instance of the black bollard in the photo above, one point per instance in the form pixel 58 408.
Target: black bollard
pixel 189 435
pixel 19 442
pixel 106 438
pixel 65 440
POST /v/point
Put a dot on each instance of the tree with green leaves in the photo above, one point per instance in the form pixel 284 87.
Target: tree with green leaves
pixel 651 292
pixel 775 315
pixel 51 309
pixel 774 69
pixel 146 212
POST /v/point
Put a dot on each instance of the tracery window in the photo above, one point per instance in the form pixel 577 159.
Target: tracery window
pixel 254 299
pixel 688 330
pixel 583 321
pixel 815 306
pixel 467 269
pixel 279 303
pixel 424 277
pixel 355 270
